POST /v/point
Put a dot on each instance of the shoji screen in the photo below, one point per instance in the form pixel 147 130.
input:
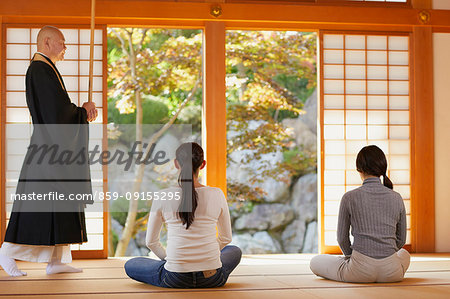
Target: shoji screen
pixel 365 96
pixel 20 45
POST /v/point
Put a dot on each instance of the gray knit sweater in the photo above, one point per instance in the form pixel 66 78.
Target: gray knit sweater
pixel 376 215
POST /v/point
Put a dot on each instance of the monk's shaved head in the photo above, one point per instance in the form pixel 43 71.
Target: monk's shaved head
pixel 47 32
pixel 50 41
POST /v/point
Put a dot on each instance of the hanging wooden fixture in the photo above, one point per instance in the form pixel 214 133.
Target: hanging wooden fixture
pixel 91 52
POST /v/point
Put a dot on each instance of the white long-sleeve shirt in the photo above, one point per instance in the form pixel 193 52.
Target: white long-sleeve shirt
pixel 197 248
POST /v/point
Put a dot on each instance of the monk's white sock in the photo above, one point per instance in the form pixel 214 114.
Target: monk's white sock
pixel 55 266
pixel 9 265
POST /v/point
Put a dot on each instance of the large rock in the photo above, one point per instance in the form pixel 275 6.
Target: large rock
pixel 310 115
pixel 293 237
pixel 310 244
pixel 243 167
pixel 259 243
pixel 305 139
pixel 265 217
pixel 304 198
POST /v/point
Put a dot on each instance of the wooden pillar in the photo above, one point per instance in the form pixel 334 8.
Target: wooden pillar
pixel 423 212
pixel 214 104
pixel 2 135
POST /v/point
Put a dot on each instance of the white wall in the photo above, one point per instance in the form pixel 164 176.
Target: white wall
pixel 441 48
pixel 441 4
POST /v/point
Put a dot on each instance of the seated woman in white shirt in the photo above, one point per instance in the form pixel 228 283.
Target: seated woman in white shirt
pixel 196 254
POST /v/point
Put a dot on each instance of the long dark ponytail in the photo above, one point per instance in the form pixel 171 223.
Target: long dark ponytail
pixel 372 161
pixel 190 158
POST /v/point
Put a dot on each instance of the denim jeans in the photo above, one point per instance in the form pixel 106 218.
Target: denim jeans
pixel 152 271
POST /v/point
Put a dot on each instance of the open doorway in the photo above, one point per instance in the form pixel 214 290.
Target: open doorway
pixel 272 140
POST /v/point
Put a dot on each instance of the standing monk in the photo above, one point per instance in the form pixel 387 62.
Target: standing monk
pixel 44 232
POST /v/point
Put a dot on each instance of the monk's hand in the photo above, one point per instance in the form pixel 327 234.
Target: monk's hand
pixel 92 112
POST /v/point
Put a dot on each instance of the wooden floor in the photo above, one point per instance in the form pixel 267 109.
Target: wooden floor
pixel 263 276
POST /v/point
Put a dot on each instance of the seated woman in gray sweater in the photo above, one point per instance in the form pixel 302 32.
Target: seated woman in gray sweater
pixel 376 215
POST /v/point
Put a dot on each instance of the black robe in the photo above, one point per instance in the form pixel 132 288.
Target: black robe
pixel 56 121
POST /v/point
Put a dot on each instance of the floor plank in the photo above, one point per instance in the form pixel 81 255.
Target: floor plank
pixel 261 277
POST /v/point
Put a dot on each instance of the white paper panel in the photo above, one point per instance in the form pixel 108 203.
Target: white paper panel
pixel 355 117
pixel 331 207
pixel 98 68
pixel 376 72
pixel 14 162
pixel 407 204
pixel 17 35
pixel 375 42
pixel 68 68
pixel 17 146
pixel 355 42
pixel 354 146
pixel 95 242
pixel 330 238
pixel 399 162
pixel 334 117
pixel 352 177
pixel 377 117
pixel 334 162
pixel 399 73
pixel 330 222
pixel 399 102
pixel 70 35
pixel 85 36
pixel 97 83
pixel 355 132
pixel 399 132
pixel 355 101
pixel 350 161
pixel 34 34
pixel 377 102
pixel 18 52
pixel 355 87
pixel 94 225
pixel 15 83
pixel 71 52
pixel 71 83
pixel 398 42
pixel 398 58
pixel 84 52
pixel 376 57
pixel 404 190
pixel 399 147
pixel 19 115
pixel 333 56
pixel 333 41
pixel 377 87
pixel 333 132
pixel 16 99
pixel 399 177
pixel 399 87
pixel 334 147
pixel 355 72
pixel 334 177
pixel 377 132
pixel 355 57
pixel 333 192
pixel 17 67
pixel 333 102
pixel 399 117
pixel 18 131
pixel 333 86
